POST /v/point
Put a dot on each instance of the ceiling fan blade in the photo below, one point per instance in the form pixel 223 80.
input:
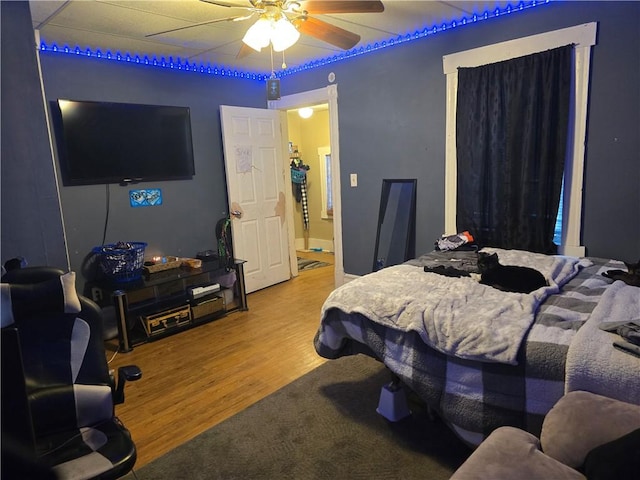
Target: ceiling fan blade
pixel 326 32
pixel 245 50
pixel 320 7
pixel 227 4
pixel 209 22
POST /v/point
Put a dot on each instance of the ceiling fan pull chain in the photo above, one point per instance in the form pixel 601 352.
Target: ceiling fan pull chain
pixel 284 64
pixel 273 72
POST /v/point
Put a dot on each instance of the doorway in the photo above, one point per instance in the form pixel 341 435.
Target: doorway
pixel 310 164
pixel 309 161
pixel 329 97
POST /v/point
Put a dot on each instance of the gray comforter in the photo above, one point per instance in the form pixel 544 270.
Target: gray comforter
pixel 456 316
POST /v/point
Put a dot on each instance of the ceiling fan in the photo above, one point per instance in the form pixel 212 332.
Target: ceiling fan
pixel 280 22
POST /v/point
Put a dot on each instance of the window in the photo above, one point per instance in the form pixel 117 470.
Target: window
pixel 557 232
pixel 583 37
pixel 324 154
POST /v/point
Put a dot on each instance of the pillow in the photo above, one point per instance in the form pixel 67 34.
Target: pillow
pixel 616 460
pixel 57 295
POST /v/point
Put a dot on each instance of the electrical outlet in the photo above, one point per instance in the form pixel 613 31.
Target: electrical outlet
pixel 354 179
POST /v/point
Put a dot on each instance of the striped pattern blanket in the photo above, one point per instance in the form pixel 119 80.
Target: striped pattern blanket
pixel 475 397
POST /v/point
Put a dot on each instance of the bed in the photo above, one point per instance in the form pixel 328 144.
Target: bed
pixel 482 358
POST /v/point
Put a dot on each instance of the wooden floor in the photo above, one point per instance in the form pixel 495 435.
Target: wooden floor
pixel 197 378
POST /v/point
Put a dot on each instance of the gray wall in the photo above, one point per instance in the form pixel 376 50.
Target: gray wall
pixel 392 125
pixel 31 221
pixel 185 222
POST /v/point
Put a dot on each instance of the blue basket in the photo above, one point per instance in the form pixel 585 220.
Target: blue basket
pixel 122 261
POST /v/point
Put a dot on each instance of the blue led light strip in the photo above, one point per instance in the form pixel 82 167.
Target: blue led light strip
pixel 427 31
pixel 172 64
pixel 221 71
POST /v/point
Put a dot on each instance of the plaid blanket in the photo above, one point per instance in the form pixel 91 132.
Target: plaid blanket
pixel 475 398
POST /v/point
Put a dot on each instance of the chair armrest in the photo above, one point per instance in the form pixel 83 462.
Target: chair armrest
pixel 127 373
pixel 510 453
pixel 582 421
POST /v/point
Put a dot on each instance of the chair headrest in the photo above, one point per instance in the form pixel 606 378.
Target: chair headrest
pixel 57 295
pixel 31 274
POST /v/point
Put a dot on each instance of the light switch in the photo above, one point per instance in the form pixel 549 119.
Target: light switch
pixel 354 179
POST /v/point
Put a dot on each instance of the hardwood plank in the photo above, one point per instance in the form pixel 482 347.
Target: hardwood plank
pixel 197 378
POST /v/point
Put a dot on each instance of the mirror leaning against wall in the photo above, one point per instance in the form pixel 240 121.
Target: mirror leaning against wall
pixel 395 238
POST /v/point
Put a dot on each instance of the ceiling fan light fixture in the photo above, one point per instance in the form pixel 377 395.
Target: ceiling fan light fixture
pixel 283 35
pixel 259 34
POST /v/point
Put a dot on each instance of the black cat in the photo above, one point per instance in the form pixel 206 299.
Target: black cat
pixel 630 277
pixel 509 278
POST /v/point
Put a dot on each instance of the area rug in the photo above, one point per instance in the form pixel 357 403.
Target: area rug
pixel 322 426
pixel 308 264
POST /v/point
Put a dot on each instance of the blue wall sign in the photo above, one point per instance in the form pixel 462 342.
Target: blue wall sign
pixel 150 197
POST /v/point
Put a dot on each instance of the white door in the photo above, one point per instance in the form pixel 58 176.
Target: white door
pixel 254 161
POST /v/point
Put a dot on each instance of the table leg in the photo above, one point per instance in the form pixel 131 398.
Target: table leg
pixel 120 303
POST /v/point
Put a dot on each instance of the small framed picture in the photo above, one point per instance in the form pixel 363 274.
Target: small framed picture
pixel 273 89
pixel 149 197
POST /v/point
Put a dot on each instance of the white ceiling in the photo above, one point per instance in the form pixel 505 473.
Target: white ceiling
pixel 122 26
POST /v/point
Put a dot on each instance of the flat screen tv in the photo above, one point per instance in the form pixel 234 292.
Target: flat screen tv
pixel 102 142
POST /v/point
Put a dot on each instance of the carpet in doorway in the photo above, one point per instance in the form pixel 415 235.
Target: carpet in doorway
pixel 309 264
pixel 322 426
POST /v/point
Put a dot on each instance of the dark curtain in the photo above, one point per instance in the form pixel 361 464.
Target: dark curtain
pixel 512 124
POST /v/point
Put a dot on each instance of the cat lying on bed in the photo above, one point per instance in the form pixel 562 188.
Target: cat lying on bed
pixel 508 278
pixel 630 277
